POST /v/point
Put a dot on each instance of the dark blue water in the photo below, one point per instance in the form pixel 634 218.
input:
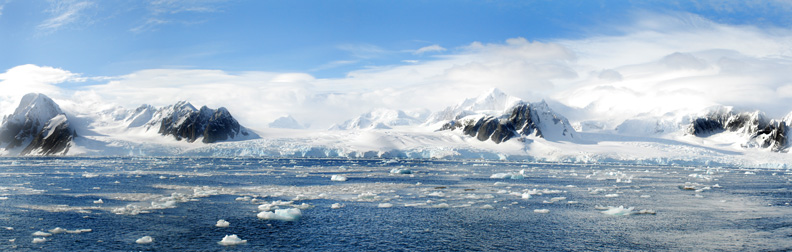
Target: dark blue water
pixel 442 205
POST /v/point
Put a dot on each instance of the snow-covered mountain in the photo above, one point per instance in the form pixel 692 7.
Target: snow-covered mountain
pixel 379 119
pixel 37 127
pixel 492 102
pixel 522 119
pixel 183 121
pixel 755 127
pixel 286 122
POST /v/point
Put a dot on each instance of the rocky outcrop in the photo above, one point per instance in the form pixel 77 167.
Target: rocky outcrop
pixel 759 130
pixel 523 119
pixel 183 121
pixel 37 127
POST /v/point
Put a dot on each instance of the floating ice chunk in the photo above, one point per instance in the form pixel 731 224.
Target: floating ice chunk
pixel 39 240
pixel 441 205
pixel 336 205
pixel 303 206
pixel 90 175
pixel 400 171
pixel 541 211
pixel 554 199
pixel 507 176
pixel 645 211
pixel 246 198
pixel 612 195
pixel 222 223
pixel 99 201
pixel 572 202
pixel 339 178
pixel 750 173
pixel 618 211
pixel 368 196
pixel 291 214
pixel 487 207
pixel 39 233
pixel 230 240
pixel 385 205
pixel 57 230
pixel 144 240
pixel 3 198
pixel 9 228
pixel 79 231
pixel 526 195
pixel 646 196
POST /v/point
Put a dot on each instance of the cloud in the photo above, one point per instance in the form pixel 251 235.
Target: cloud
pixel 659 64
pixel 431 48
pixel 64 12
pixel 163 12
pixel 20 80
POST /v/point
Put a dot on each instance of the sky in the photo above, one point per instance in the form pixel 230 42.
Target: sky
pixel 324 62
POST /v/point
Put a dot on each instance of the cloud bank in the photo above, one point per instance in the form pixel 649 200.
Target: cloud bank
pixel 658 64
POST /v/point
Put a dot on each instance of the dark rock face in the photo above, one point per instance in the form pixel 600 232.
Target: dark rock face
pixel 183 121
pixel 39 126
pixel 56 142
pixel 761 131
pixel 523 120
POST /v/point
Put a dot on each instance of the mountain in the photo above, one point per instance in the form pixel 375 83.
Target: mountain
pixel 755 126
pixel 379 119
pixel 183 121
pixel 38 126
pixel 493 102
pixel 286 122
pixel 522 119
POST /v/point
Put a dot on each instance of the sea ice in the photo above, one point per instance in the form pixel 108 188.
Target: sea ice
pixel 618 211
pixel 336 205
pixel 541 211
pixel 39 240
pixel 222 223
pixel 487 207
pixel 230 240
pixel 100 201
pixel 612 195
pixel 57 230
pixel 400 171
pixel 339 178
pixel 507 176
pixel 39 233
pixel 385 205
pixel 291 214
pixel 144 240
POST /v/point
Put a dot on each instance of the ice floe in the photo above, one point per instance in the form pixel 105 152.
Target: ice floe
pixel 230 240
pixel 144 240
pixel 222 223
pixel 338 178
pixel 291 214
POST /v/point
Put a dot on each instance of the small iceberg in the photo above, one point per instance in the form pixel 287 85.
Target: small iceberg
pixel 618 211
pixel 222 223
pixel 291 214
pixel 231 240
pixel 400 171
pixel 338 178
pixel 144 240
pixel 99 201
pixel 542 211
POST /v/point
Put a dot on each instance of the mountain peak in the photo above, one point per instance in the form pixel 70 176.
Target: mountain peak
pixel 39 125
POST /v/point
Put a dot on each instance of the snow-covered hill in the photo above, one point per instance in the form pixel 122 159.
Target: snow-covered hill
pixel 37 127
pixel 380 119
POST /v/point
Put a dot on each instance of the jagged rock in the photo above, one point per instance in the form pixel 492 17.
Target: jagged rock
pixel 523 120
pixel 183 121
pixel 760 131
pixel 37 126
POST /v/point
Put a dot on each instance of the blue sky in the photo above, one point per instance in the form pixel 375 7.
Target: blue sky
pixel 324 62
pixel 322 38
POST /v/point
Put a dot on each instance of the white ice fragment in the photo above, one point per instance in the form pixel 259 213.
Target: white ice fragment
pixel 57 230
pixel 339 178
pixel 291 214
pixel 441 205
pixel 222 223
pixel 230 240
pixel 79 231
pixel 507 176
pixel 336 205
pixel 99 201
pixel 487 207
pixel 618 211
pixel 646 196
pixel 543 211
pixel 9 228
pixel 526 195
pixel 750 173
pixel 39 240
pixel 144 240
pixel 39 233
pixel 612 195
pixel 400 171
pixel 385 205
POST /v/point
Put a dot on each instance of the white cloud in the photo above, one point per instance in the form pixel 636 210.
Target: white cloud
pixel 163 12
pixel 20 80
pixel 661 64
pixel 64 12
pixel 431 48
